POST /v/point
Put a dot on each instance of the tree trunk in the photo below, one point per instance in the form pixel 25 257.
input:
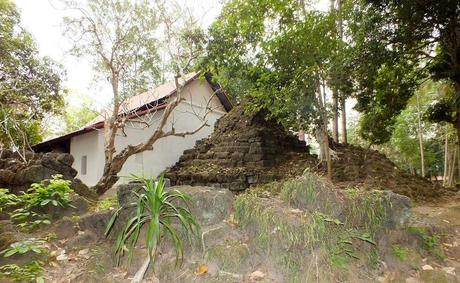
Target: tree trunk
pixel 446 160
pixel 342 98
pixel 420 136
pixel 323 131
pixel 452 168
pixel 344 121
pixel 139 276
pixel 457 113
pixel 335 117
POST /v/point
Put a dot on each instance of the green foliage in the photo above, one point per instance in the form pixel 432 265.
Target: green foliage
pixel 107 203
pixel 7 199
pixel 393 59
pixel 431 241
pixel 399 252
pixel 366 211
pixel 275 53
pixel 29 272
pixel 337 236
pixel 30 86
pixel 55 192
pixel 22 247
pixel 157 209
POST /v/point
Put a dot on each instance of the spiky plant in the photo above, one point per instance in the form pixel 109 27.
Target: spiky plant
pixel 157 208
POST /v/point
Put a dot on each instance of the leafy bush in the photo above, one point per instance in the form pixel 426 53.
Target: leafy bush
pixel 31 271
pixel 155 208
pixel 54 192
pixel 7 199
pixel 22 247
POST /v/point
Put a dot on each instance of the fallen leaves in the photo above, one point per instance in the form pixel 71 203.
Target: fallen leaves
pixel 201 269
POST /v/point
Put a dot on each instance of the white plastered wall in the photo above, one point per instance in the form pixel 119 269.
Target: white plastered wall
pixel 199 100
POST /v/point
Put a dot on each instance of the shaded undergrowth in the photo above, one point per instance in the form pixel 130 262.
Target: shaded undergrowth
pixel 308 229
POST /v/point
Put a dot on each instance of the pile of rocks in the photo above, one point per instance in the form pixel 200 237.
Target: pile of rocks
pixel 17 175
pixel 359 167
pixel 244 149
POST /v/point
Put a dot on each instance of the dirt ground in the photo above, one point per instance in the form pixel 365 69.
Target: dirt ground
pixel 442 218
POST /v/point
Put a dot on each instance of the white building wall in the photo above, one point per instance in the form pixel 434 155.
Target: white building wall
pixel 88 145
pixel 187 116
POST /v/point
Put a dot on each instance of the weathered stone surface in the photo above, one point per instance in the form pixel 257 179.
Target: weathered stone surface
pixel 17 175
pixel 95 222
pixel 208 204
pixel 83 190
pixel 398 210
pixel 65 228
pixel 124 193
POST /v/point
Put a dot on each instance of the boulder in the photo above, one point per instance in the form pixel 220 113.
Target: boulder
pixel 54 162
pixel 398 209
pixel 83 190
pixel 33 174
pixel 17 175
pixel 95 222
pixel 210 205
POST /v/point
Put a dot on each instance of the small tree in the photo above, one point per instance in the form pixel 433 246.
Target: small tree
pixel 121 37
pixel 156 209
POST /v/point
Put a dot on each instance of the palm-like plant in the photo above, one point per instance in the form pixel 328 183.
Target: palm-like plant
pixel 157 208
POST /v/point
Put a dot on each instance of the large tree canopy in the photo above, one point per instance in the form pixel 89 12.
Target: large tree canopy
pixel 276 53
pixel 397 44
pixel 30 85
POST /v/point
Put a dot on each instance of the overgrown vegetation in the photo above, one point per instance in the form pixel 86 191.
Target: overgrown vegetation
pixel 334 230
pixel 106 203
pixel 29 271
pixel 7 199
pixel 400 252
pixel 157 209
pixel 22 247
pixel 431 242
pixel 30 209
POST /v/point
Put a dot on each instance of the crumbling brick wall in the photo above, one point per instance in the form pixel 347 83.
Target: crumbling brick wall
pixel 244 149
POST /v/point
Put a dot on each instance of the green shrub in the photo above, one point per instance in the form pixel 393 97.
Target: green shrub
pixel 431 241
pixel 399 252
pixel 29 272
pixel 7 199
pixel 22 247
pixel 55 192
pixel 156 208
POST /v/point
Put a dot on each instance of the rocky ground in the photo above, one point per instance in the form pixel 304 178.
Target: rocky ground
pixel 294 231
